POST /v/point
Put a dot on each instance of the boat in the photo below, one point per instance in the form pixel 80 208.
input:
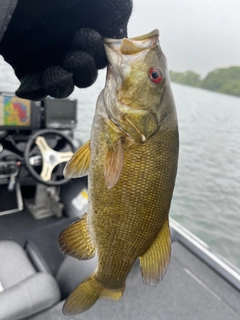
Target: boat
pixel 37 202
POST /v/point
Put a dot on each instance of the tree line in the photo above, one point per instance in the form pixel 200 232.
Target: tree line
pixel 223 80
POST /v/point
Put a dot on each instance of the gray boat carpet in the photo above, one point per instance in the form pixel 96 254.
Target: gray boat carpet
pixel 190 291
pixel 17 226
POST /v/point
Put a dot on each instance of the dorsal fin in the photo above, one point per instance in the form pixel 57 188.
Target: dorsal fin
pixel 78 165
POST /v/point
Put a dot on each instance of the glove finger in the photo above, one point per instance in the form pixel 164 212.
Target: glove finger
pixel 31 87
pixel 90 41
pixel 58 82
pixel 83 67
pixel 112 18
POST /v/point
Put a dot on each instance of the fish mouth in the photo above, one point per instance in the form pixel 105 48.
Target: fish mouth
pixel 142 38
pixel 149 35
pixel 129 47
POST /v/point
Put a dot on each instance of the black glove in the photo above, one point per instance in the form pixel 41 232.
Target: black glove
pixel 53 45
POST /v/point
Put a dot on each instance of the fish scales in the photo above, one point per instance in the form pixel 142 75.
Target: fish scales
pixel 131 221
pixel 131 162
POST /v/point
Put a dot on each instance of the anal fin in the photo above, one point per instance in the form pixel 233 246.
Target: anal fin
pixel 155 261
pixel 78 165
pixel 75 240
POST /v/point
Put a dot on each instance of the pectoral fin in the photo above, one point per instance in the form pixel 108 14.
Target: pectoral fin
pixel 78 165
pixel 75 240
pixel 113 164
pixel 155 261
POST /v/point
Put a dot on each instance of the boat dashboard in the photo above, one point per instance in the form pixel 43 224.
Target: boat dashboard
pixel 36 141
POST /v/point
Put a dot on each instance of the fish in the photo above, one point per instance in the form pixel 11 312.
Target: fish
pixel 131 162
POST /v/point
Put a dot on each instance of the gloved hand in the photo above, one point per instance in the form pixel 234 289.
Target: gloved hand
pixel 53 45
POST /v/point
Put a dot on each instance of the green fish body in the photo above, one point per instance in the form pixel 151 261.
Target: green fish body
pixel 131 162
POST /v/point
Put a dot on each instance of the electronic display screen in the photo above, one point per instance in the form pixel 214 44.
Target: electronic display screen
pixel 60 113
pixel 14 112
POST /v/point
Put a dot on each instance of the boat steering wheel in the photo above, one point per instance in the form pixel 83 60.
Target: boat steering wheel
pixel 50 157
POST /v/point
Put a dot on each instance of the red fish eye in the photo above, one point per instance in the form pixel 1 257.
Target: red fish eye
pixel 156 75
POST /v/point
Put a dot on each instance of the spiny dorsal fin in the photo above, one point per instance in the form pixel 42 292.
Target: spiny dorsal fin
pixel 155 261
pixel 113 164
pixel 75 240
pixel 78 165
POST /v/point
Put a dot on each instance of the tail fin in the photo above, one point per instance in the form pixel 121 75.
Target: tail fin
pixel 87 293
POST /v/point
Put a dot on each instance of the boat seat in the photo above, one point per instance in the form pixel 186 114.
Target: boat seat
pixel 23 290
pixel 72 272
pixel 44 253
pixel 42 246
pixel 37 277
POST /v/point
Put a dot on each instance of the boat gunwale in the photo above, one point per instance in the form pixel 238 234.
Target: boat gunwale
pixel 218 263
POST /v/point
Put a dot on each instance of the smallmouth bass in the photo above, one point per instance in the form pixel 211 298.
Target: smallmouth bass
pixel 131 162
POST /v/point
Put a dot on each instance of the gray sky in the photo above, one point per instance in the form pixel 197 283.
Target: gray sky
pixel 198 35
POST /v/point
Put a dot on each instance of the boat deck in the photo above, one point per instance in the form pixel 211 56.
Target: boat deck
pixel 191 290
pixel 197 286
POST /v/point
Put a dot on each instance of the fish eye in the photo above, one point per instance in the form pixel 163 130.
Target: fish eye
pixel 156 74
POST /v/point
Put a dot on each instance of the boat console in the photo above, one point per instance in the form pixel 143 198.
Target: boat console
pixel 36 140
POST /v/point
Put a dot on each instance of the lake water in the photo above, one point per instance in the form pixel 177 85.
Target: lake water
pixel 207 194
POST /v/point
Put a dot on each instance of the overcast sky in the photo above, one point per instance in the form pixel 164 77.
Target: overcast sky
pixel 199 35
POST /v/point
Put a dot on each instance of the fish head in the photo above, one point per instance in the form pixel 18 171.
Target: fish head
pixel 137 77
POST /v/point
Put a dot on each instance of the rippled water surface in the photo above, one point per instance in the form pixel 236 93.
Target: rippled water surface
pixel 207 193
